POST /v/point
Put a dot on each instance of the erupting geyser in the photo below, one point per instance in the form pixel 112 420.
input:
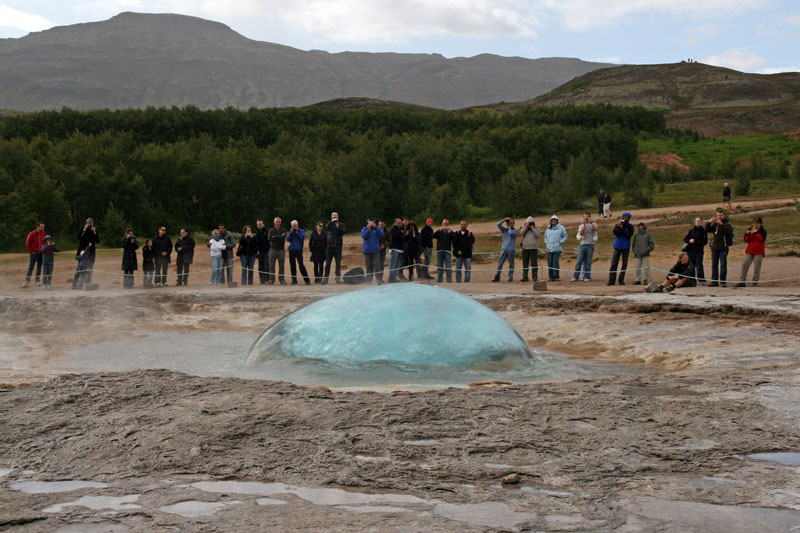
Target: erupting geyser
pixel 406 324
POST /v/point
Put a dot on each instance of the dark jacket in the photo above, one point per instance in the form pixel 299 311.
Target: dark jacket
pixel 413 247
pixel 684 271
pixel 317 245
pixel 276 238
pixel 48 251
pixel 463 243
pixel 249 246
pixel 720 234
pixel 426 236
pixel 386 240
pixel 162 244
pixel 397 238
pixel 335 233
pixel 444 240
pixel 230 245
pixel 185 248
pixel 148 259
pixel 623 234
pixel 87 240
pixel 129 247
pixel 700 236
pixel 262 238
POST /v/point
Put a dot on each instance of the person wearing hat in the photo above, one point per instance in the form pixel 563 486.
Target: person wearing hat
pixel 554 238
pixel 335 231
pixel 48 250
pixel 623 231
pixel 642 245
pixel 426 243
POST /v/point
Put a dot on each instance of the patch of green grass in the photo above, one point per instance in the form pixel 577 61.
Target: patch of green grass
pixel 701 192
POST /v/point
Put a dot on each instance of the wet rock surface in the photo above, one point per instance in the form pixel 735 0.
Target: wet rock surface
pixel 595 454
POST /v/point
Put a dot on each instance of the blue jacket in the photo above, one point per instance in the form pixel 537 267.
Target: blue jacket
pixel 509 237
pixel 296 240
pixel 623 236
pixel 372 239
pixel 554 237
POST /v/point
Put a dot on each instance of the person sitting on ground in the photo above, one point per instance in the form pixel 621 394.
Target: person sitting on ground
pixel 642 245
pixel 48 250
pixel 129 262
pixel 755 238
pixel 682 274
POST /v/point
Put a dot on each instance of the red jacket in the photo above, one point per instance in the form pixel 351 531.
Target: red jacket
pixel 755 243
pixel 35 241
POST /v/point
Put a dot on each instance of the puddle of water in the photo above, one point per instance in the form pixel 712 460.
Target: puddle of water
pixel 194 509
pixel 115 503
pixel 28 472
pixel 488 514
pixel 784 458
pixel 429 442
pixel 270 501
pixel 5 471
pixel 371 458
pixel 46 487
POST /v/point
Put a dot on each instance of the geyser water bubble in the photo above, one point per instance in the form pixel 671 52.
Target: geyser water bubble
pixel 408 325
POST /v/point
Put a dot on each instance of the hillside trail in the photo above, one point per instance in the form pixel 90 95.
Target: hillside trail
pixel 647 215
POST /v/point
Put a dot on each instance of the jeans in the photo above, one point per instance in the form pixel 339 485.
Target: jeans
pixel 612 276
pixel 382 266
pixel 506 255
pixel 426 261
pixel 47 273
pixel 553 272
pixel 530 257
pixel 719 266
pixel 248 264
pixel 697 260
pixel 467 262
pixel 36 259
pixel 749 259
pixel 217 270
pixel 277 258
pixel 263 267
pixel 183 271
pixel 333 253
pixel 584 264
pixel 372 266
pixel 295 262
pixel 642 267
pixel 228 263
pixel 395 264
pixel 162 264
pixel 443 260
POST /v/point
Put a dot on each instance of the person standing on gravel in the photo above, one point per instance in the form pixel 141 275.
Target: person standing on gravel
pixel 184 247
pixel 721 233
pixel 371 236
pixel 587 237
pixel 85 255
pixel 623 231
pixel 262 239
pixel 508 249
pixel 755 238
pixel 277 257
pixel 726 196
pixel 530 248
pixel 606 204
pixel 444 257
pixel 643 244
pixel 129 262
pixel 162 246
pixel 34 243
pixel 227 255
pixel 462 248
pixel 554 238
pixel 335 231
pixel 317 245
pixel 426 243
pixel 694 245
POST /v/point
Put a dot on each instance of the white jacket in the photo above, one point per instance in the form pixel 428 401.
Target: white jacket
pixel 217 247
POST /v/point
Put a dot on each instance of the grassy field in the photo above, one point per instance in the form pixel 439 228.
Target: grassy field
pixel 698 192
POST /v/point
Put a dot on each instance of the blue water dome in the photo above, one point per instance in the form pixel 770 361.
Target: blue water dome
pixel 401 324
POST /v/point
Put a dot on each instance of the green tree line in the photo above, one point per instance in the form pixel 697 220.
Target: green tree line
pixel 196 169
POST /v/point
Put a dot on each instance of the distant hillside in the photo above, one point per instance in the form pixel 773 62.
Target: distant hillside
pixel 138 60
pixel 710 99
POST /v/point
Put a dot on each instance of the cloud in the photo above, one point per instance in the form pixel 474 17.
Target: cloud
pixel 582 15
pixel 794 20
pixel 778 70
pixel 736 58
pixel 607 59
pixel 12 18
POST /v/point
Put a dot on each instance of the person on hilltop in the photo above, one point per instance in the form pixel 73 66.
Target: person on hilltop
pixel 385 242
pixel 463 243
pixel 296 239
pixel 721 233
pixel 396 250
pixel 587 237
pixel 755 238
pixel 184 247
pixel 335 231
pixel 530 248
pixel 162 246
pixel 508 248
pixel 554 238
pixel 247 251
pixel 33 243
pixel 642 245
pixel 130 263
pixel 48 251
pixel 262 239
pixel 88 240
pixel 317 244
pixel 694 244
pixel 726 196
pixel 682 274
pixel 444 244
pixel 277 257
pixel 607 204
pixel 371 235
pixel 426 243
pixel 623 231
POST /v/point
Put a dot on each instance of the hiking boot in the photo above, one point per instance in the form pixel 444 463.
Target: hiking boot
pixel 659 289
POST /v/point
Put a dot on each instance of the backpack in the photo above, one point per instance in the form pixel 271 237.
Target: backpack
pixel 354 276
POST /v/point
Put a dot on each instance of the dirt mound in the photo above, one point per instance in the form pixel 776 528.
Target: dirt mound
pixel 659 161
